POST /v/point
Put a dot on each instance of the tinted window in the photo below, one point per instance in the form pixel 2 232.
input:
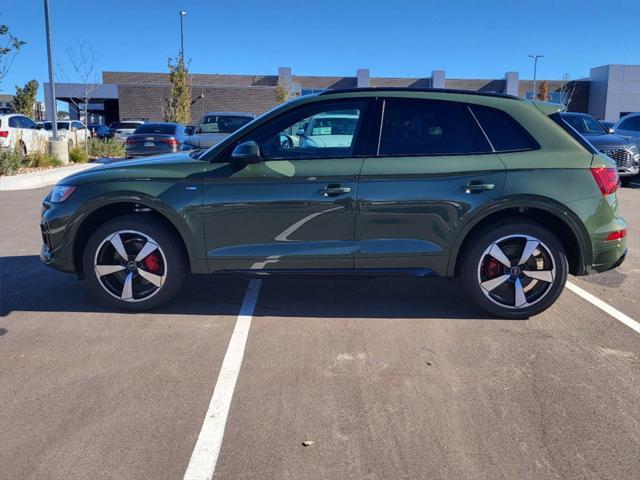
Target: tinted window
pixel 28 123
pixel 426 127
pixel 159 128
pixel 326 130
pixel 61 126
pixel 505 134
pixel 13 122
pixel 632 124
pixel 222 123
pixel 584 124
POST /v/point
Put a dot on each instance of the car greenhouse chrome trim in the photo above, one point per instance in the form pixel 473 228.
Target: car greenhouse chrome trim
pixel 133 264
pixel 530 285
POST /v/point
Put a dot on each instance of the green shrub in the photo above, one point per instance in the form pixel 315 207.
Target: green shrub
pixel 108 147
pixel 10 162
pixel 78 155
pixel 42 160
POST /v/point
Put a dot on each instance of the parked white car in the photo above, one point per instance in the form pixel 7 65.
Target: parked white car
pixel 121 130
pixel 214 127
pixel 328 131
pixel 73 130
pixel 19 132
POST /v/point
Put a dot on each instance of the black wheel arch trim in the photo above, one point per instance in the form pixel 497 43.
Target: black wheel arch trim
pixel 553 207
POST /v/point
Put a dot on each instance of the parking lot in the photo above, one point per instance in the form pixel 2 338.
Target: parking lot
pixel 389 378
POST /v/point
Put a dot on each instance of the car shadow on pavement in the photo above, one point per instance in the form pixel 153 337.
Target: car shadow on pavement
pixel 27 285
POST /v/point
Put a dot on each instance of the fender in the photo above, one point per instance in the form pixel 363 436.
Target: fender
pixel 191 234
pixel 552 207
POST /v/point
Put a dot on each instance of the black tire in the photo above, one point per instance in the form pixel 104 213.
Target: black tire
pixel 478 266
pixel 136 230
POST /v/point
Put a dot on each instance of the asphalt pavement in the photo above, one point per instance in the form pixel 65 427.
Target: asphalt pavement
pixel 389 378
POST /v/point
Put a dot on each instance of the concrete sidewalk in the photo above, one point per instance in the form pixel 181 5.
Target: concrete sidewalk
pixel 26 181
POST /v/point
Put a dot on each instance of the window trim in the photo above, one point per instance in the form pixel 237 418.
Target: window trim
pixel 461 105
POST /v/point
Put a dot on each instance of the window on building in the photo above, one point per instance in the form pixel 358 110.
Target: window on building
pixel 505 134
pixel 426 127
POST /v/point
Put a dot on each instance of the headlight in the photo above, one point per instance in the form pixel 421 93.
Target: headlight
pixel 61 192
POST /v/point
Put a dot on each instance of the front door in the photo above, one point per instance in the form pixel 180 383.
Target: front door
pixel 295 209
pixel 434 166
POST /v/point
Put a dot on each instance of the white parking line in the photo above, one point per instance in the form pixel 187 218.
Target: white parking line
pixel 205 453
pixel 617 314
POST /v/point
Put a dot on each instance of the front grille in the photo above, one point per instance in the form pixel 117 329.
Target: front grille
pixel 622 157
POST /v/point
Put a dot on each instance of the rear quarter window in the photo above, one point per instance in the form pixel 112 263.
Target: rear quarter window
pixel 504 133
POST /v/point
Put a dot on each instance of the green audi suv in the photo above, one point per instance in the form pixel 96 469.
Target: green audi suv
pixel 490 188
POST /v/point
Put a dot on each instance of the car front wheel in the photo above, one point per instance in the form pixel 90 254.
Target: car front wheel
pixel 134 264
pixel 516 270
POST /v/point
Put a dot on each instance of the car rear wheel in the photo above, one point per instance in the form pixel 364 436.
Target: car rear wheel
pixel 134 264
pixel 516 270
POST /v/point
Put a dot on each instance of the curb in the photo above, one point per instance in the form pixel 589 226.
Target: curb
pixel 27 181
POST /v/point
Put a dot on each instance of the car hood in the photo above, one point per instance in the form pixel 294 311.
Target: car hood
pixel 608 141
pixel 171 167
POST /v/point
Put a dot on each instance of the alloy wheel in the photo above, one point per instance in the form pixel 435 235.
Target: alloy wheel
pixel 516 271
pixel 130 266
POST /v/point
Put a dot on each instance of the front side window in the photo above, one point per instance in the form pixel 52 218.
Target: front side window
pixel 222 123
pixel 504 133
pixel 315 131
pixel 28 123
pixel 429 127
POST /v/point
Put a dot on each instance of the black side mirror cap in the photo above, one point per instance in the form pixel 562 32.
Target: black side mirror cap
pixel 245 154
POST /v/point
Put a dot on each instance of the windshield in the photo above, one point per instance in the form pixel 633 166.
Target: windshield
pixel 61 126
pixel 222 123
pixel 584 124
pixel 158 128
pixel 333 126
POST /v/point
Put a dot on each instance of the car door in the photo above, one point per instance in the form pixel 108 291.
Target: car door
pixel 26 133
pixel 295 209
pixel 433 167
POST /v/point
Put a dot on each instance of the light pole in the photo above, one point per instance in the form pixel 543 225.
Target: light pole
pixel 535 69
pixel 52 86
pixel 182 13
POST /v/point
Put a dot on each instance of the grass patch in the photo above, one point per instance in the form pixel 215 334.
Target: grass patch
pixel 78 155
pixel 107 147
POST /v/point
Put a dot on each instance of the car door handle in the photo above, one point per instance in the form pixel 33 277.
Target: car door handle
pixel 334 189
pixel 476 187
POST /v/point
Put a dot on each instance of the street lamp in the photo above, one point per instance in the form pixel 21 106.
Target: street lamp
pixel 182 13
pixel 535 68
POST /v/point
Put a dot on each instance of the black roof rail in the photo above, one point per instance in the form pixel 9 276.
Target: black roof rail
pixel 410 89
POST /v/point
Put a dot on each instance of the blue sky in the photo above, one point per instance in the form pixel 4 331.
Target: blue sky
pixel 468 39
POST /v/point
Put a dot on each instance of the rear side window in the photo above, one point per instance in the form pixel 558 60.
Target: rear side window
pixel 14 122
pixel 429 127
pixel 504 133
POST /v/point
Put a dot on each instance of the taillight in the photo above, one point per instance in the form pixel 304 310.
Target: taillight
pixel 607 179
pixel 4 133
pixel 617 235
pixel 171 141
pixel 130 141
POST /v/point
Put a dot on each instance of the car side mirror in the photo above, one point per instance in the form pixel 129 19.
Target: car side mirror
pixel 245 153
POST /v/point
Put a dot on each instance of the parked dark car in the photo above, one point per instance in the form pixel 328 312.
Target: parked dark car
pixel 624 152
pixel 494 189
pixel 155 139
pixel 99 131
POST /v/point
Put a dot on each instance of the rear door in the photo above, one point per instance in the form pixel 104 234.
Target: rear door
pixel 434 166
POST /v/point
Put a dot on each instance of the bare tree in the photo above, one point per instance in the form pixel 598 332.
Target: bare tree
pixel 9 47
pixel 567 90
pixel 82 63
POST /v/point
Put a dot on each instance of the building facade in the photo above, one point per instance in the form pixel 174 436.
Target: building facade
pixel 142 96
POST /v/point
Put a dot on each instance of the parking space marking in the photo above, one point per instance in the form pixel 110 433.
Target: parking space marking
pixel 615 313
pixel 205 453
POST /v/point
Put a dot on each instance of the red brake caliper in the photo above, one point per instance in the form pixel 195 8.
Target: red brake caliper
pixel 152 262
pixel 492 268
